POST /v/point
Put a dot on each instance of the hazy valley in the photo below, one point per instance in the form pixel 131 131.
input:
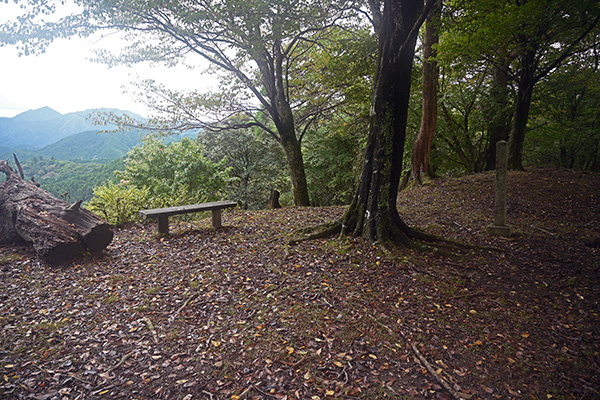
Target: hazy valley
pixel 68 154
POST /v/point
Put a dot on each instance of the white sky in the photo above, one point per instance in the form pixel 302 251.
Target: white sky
pixel 65 80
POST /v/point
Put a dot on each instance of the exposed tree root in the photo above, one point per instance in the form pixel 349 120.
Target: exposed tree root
pixel 121 362
pixel 318 232
pixel 418 240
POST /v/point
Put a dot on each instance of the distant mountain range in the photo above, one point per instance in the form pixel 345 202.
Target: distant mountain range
pixel 68 153
pixel 47 133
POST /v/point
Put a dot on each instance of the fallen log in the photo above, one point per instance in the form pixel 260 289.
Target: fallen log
pixel 59 232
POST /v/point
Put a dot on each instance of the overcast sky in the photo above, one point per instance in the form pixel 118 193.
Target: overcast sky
pixel 65 80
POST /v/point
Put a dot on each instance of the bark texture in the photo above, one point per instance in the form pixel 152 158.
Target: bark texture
pixel 422 147
pixel 58 232
pixel 498 115
pixel 373 213
pixel 274 200
pixel 525 86
pixel 279 108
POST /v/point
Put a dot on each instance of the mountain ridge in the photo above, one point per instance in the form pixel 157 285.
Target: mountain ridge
pixel 36 129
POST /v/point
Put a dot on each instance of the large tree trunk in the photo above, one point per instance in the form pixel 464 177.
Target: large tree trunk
pixel 373 213
pixel 422 147
pixel 521 114
pixel 58 232
pixel 293 154
pixel 281 112
pixel 498 115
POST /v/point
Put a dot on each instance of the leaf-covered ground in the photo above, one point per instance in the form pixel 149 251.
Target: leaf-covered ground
pixel 238 314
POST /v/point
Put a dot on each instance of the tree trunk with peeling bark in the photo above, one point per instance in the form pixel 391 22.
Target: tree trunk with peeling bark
pixel 422 147
pixel 58 232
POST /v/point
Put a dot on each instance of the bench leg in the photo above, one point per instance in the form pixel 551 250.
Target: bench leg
pixel 163 225
pixel 216 218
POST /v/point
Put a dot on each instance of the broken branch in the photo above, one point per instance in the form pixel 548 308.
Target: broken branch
pixel 429 368
pixel 151 328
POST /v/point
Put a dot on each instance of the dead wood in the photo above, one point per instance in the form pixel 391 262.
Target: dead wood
pixel 148 323
pixel 121 362
pixel 58 232
pixel 274 200
pixel 438 378
pixel 21 174
pixel 184 305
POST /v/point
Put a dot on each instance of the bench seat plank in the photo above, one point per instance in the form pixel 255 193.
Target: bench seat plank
pixel 188 209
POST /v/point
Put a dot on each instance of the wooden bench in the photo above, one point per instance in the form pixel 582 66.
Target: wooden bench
pixel 163 213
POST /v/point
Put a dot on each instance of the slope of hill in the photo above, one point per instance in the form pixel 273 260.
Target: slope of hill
pixel 92 146
pixel 68 179
pixel 69 153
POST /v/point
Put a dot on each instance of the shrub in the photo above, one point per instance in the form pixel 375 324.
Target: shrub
pixel 160 175
pixel 118 204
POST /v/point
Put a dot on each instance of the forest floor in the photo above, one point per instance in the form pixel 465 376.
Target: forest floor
pixel 239 314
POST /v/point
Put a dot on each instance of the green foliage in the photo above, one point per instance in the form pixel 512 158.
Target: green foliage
pixel 462 139
pixel 337 79
pixel 259 49
pixel 93 145
pixel 160 175
pixel 119 204
pixel 175 173
pixel 255 162
pixel 565 129
pixel 70 180
pixel 332 162
pixel 527 40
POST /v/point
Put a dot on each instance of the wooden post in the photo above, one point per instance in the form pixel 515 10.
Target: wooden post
pixel 216 218
pixel 499 226
pixel 163 224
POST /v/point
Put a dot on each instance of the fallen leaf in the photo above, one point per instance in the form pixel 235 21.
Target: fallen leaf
pixel 487 389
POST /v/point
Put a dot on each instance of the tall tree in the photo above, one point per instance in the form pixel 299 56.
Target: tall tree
pixel 257 44
pixel 553 31
pixel 373 213
pixel 565 126
pixel 536 37
pixel 424 140
pixel 498 113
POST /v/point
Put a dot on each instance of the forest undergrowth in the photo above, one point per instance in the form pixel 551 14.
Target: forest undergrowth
pixel 239 314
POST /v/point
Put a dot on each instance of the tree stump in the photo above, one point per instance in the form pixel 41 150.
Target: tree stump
pixel 274 200
pixel 58 232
